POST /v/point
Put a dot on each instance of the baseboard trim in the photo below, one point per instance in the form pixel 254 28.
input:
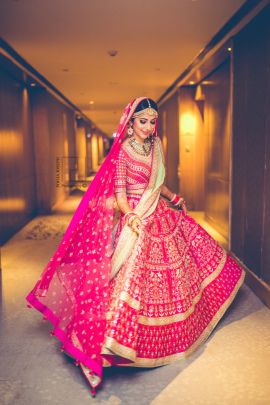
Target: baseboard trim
pixel 257 285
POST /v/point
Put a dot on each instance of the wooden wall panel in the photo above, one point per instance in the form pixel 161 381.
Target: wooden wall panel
pixel 54 134
pixel 169 129
pixel 251 156
pixel 17 174
pixel 217 122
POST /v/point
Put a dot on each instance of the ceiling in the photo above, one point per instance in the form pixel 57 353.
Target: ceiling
pixel 68 41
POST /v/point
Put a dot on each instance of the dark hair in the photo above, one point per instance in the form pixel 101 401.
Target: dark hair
pixel 145 104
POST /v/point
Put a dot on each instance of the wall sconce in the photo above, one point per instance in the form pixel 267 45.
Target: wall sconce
pixel 187 124
pixel 199 95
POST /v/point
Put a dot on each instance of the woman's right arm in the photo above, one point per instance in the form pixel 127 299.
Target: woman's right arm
pixel 122 202
pixel 120 192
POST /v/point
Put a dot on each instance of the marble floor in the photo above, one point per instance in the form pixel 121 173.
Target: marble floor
pixel 231 367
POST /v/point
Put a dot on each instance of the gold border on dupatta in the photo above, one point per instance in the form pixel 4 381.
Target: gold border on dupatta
pixel 146 362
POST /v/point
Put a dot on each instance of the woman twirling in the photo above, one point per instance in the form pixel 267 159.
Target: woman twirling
pixel 146 289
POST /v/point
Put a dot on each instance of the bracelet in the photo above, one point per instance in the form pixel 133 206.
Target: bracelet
pixel 177 200
pixel 180 202
pixel 172 200
pixel 127 214
pixel 132 219
pixel 129 217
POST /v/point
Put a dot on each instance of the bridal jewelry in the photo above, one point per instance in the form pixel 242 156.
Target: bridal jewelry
pixel 130 131
pixel 149 110
pixel 141 149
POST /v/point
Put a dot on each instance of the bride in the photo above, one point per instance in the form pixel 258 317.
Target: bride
pixel 142 290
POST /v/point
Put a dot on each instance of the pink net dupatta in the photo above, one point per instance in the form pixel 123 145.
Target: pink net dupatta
pixel 72 291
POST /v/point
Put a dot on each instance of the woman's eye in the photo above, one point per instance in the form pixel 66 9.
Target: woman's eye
pixel 142 122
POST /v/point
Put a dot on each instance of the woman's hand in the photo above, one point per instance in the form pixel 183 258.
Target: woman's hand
pixel 179 203
pixel 184 208
pixel 133 221
pixel 136 225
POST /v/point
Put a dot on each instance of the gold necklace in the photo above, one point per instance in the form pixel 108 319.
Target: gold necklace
pixel 143 150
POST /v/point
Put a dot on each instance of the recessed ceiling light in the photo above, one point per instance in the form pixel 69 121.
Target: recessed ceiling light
pixel 112 52
pixel 91 102
pixel 229 49
pixel 33 84
pixel 191 82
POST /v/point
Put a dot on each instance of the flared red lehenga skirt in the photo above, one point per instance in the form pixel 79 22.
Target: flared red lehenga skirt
pixel 170 293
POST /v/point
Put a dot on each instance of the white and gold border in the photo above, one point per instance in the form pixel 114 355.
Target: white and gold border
pixel 118 349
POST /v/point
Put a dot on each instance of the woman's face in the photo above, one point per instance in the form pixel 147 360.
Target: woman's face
pixel 143 126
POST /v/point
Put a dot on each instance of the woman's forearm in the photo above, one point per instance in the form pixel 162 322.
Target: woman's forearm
pixel 166 192
pixel 122 203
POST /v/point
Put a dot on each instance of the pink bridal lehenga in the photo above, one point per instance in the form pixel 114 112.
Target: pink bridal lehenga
pixel 115 298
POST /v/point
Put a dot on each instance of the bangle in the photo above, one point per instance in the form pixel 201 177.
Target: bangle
pixel 132 219
pixel 128 215
pixel 173 198
pixel 180 202
pixel 177 200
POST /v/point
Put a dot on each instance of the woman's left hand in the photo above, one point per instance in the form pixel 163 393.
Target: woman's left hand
pixel 184 208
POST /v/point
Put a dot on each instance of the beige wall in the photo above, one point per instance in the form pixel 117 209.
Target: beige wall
pixel 169 133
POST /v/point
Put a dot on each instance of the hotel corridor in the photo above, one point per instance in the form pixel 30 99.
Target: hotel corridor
pixel 133 107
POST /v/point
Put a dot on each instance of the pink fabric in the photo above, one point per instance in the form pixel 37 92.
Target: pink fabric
pixel 73 290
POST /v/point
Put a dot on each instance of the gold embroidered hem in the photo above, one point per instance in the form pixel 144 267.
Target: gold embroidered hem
pixel 112 347
pixel 144 320
pixel 122 351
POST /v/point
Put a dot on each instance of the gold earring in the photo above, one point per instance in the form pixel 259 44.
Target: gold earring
pixel 130 132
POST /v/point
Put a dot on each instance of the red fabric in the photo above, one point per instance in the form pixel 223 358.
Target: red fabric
pixel 131 175
pixel 176 270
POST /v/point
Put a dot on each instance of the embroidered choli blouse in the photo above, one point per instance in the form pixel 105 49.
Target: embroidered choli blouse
pixel 132 171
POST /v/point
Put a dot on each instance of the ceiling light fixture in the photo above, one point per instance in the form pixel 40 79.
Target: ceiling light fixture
pixel 91 102
pixel 229 49
pixel 112 52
